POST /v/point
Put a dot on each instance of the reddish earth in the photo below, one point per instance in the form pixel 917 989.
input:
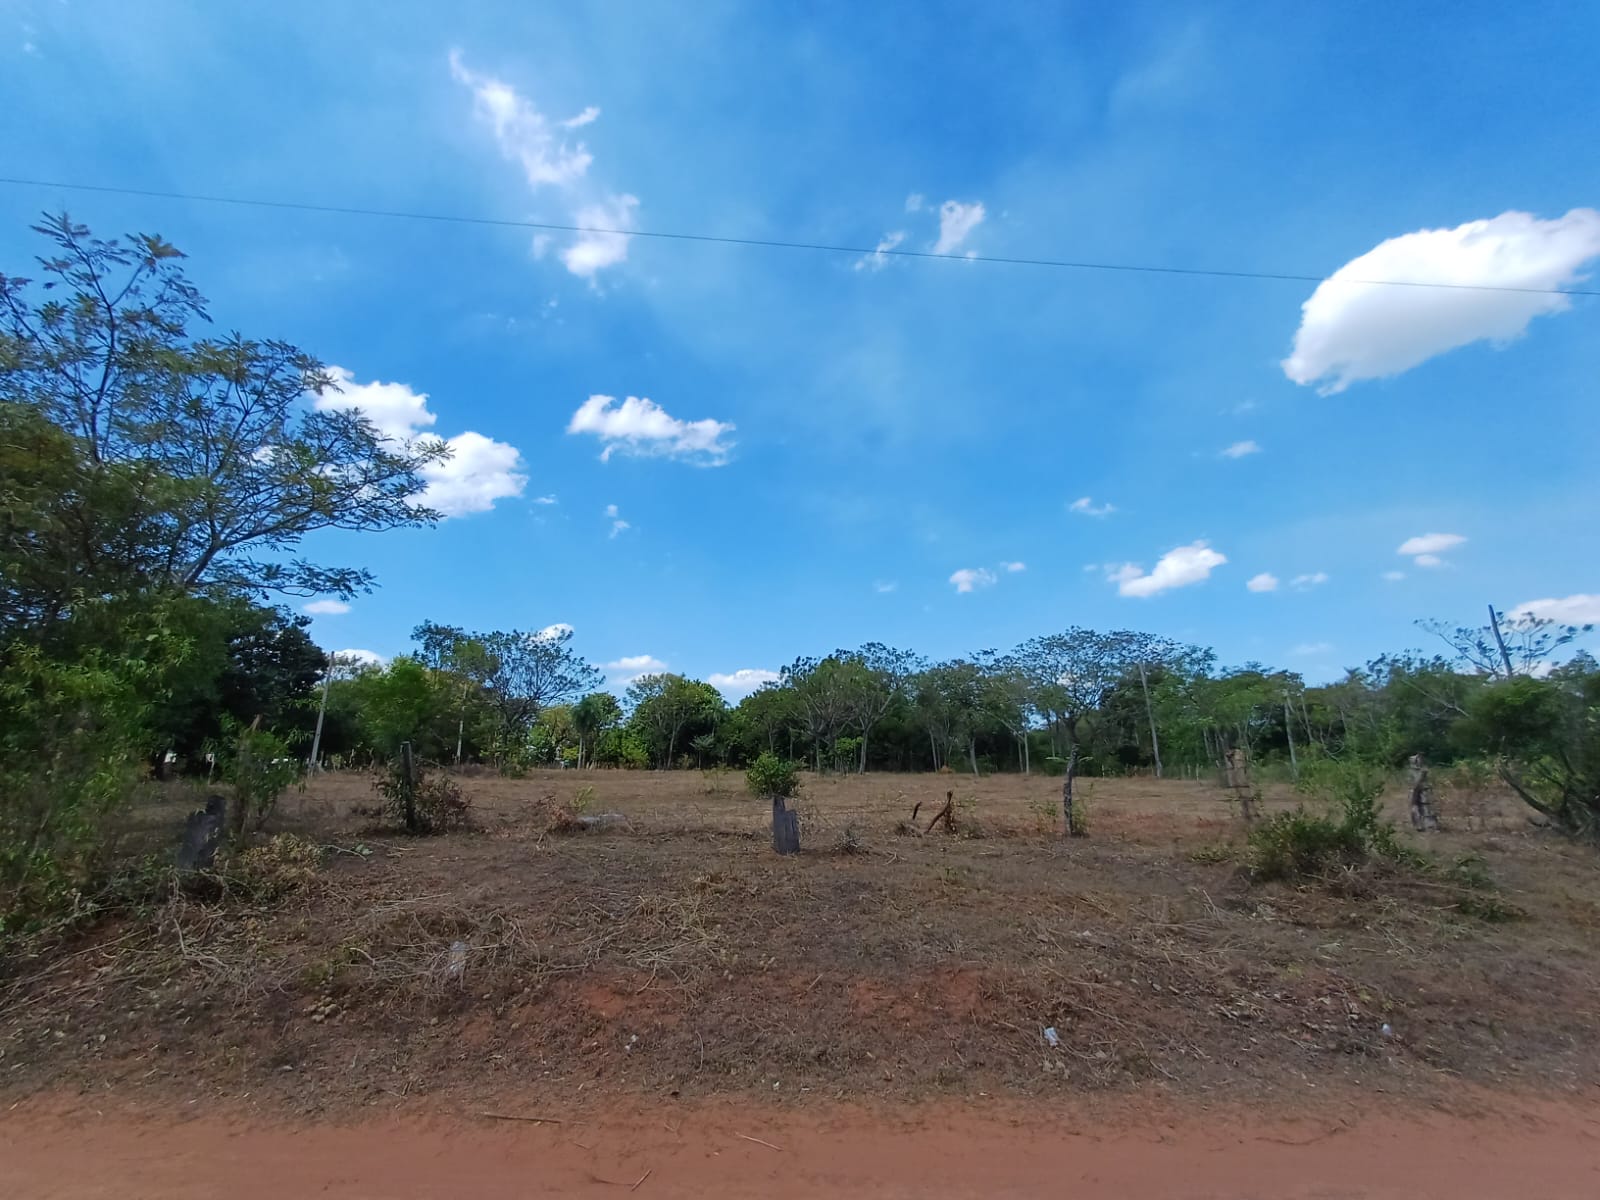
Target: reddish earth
pixel 1539 1151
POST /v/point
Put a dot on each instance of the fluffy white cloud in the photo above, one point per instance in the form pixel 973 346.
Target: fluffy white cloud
pixel 1428 560
pixel 1352 330
pixel 551 632
pixel 545 500
pixel 1431 543
pixel 641 427
pixel 1177 568
pixel 609 224
pixel 879 258
pixel 1087 506
pixel 743 681
pixel 635 664
pixel 478 471
pixel 1579 609
pixel 956 221
pixel 1264 582
pixel 1312 649
pixel 1014 566
pixel 550 160
pixel 1303 582
pixel 970 578
pixel 327 608
pixel 1240 449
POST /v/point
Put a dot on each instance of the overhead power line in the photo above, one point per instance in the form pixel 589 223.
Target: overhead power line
pixel 772 243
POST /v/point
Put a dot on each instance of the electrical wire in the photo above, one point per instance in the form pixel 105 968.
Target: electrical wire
pixel 771 243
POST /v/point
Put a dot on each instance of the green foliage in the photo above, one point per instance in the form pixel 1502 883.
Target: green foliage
pixel 669 711
pixel 261 769
pixel 1304 844
pixel 438 804
pixel 771 777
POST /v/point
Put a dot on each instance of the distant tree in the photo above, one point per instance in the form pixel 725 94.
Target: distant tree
pixel 1508 645
pixel 193 463
pixel 525 672
pixel 769 711
pixel 872 681
pixel 665 705
pixel 821 689
pixel 592 716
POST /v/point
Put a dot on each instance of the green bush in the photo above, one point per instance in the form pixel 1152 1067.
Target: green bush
pixel 437 803
pixel 1304 844
pixel 261 769
pixel 772 777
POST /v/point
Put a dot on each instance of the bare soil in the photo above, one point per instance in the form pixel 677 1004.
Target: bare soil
pixel 673 959
pixel 1537 1150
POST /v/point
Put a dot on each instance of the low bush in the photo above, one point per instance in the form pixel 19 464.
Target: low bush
pixel 772 777
pixel 1304 844
pixel 437 804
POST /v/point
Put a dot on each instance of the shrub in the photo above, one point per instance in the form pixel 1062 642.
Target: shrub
pixel 261 769
pixel 772 777
pixel 437 802
pixel 1303 844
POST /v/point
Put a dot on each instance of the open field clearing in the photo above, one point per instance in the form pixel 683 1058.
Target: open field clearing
pixel 671 954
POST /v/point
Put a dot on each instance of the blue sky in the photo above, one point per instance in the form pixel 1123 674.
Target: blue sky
pixel 836 446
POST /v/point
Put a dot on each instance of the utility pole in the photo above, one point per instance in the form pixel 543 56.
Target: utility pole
pixel 315 762
pixel 1150 713
pixel 1288 729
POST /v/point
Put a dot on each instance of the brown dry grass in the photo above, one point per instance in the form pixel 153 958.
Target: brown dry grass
pixel 675 953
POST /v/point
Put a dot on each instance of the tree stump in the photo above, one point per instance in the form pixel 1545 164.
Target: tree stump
pixel 202 834
pixel 1069 812
pixel 1423 818
pixel 785 827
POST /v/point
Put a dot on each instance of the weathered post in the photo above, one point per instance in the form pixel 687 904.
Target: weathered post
pixel 785 827
pixel 202 834
pixel 1068 812
pixel 408 786
pixel 1423 818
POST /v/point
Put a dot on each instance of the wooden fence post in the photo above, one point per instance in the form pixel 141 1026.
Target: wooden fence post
pixel 408 786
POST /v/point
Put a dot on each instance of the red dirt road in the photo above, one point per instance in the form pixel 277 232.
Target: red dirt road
pixel 1539 1152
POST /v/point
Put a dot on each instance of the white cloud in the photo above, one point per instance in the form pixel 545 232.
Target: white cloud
pixel 1394 576
pixel 914 202
pixel 1240 449
pixel 358 658
pixel 327 608
pixel 970 578
pixel 635 664
pixel 550 160
pixel 521 130
pixel 879 258
pixel 478 471
pixel 641 427
pixel 611 510
pixel 1264 582
pixel 545 500
pixel 610 223
pixel 1350 330
pixel 551 632
pixel 1015 566
pixel 1303 582
pixel 1312 649
pixel 884 587
pixel 743 681
pixel 1177 568
pixel 619 526
pixel 956 221
pixel 1431 543
pixel 1087 506
pixel 1579 609
pixel 1428 560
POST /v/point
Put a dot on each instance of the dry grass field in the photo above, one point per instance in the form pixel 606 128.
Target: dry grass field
pixel 672 954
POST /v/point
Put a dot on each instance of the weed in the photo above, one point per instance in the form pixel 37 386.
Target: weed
pixel 1218 853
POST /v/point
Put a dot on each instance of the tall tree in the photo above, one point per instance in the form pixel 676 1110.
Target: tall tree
pixel 667 705
pixel 874 680
pixel 193 462
pixel 524 672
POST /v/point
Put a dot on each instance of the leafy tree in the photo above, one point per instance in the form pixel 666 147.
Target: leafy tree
pixel 665 706
pixel 525 672
pixel 592 716
pixel 872 680
pixel 188 462
pixel 1521 644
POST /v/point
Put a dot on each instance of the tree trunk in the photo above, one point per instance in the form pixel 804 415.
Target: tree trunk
pixel 408 786
pixel 1068 815
pixel 972 753
pixel 1150 712
pixel 862 769
pixel 933 749
pixel 1288 732
pixel 1505 656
